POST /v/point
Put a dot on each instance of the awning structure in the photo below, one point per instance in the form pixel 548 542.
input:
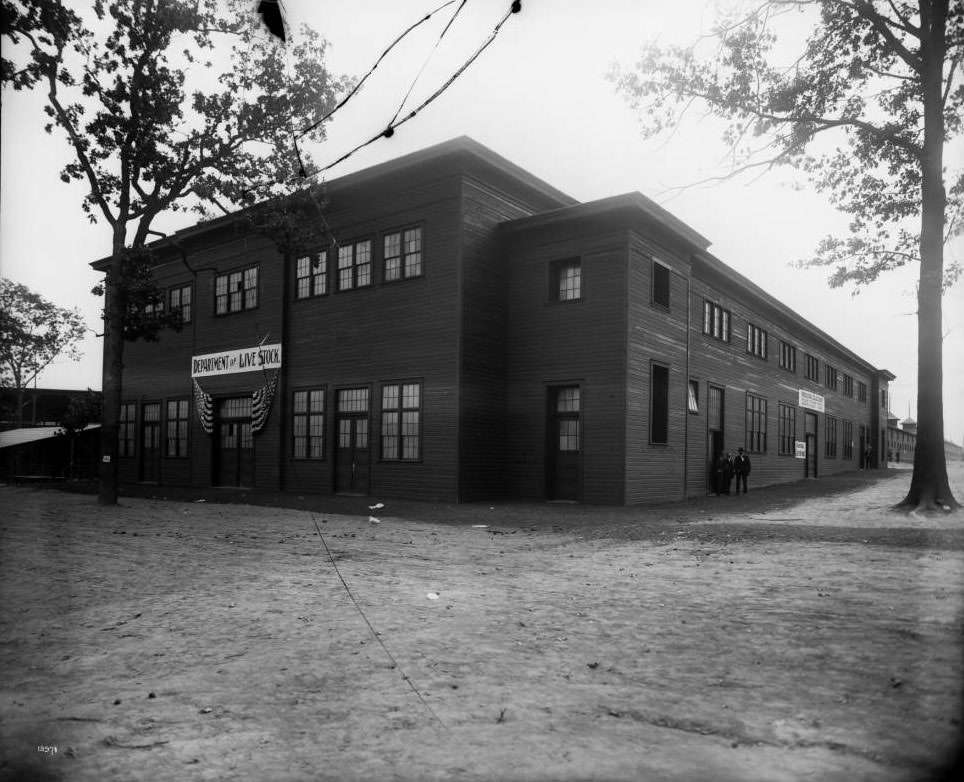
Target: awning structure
pixel 34 434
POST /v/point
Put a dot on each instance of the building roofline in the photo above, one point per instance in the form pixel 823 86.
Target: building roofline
pixel 734 277
pixel 634 203
pixel 465 146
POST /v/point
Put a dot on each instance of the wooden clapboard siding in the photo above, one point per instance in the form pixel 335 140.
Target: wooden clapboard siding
pixel 561 343
pixel 483 341
pixel 655 335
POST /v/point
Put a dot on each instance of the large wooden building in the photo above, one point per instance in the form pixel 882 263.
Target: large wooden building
pixel 465 331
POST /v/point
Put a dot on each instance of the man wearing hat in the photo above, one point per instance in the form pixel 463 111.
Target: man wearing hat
pixel 741 468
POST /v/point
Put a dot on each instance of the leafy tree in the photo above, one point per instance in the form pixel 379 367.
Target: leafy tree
pixel 33 332
pixel 866 110
pixel 154 125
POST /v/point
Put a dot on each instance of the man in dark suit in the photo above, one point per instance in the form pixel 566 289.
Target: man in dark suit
pixel 741 469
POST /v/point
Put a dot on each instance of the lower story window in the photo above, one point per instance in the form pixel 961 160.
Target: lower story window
pixel 756 423
pixel 125 429
pixel 177 423
pixel 659 394
pixel 788 428
pixel 848 440
pixel 401 430
pixel 830 437
pixel 308 424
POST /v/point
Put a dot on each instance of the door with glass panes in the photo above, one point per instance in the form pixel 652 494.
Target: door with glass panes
pixel 564 446
pixel 234 452
pixel 352 453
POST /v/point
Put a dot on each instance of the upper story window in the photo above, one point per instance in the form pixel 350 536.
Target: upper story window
pixel 716 321
pixel 883 398
pixel 179 300
pixel 236 291
pixel 756 341
pixel 813 368
pixel 693 397
pixel 355 265
pixel 848 385
pixel 788 357
pixel 403 254
pixel 831 377
pixel 565 282
pixel 861 391
pixel 661 278
pixel 311 275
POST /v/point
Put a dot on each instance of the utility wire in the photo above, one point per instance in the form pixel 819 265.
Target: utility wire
pixel 375 635
pixel 364 78
pixel 427 59
pixel 389 131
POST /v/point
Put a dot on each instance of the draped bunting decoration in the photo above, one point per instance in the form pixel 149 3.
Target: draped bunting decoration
pixel 205 408
pixel 261 404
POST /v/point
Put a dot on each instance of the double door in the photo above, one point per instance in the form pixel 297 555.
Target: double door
pixel 234 444
pixel 352 448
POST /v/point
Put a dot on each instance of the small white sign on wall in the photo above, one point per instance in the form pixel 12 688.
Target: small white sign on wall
pixel 810 400
pixel 800 449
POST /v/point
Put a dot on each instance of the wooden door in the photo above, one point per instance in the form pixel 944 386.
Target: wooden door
pixel 352 448
pixel 564 443
pixel 234 451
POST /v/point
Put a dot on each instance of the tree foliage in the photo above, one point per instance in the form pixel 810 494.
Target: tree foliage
pixel 33 332
pixel 166 105
pixel 866 109
pixel 848 111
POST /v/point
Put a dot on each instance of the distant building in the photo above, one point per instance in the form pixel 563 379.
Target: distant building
pixel 41 406
pixel 902 442
pixel 468 332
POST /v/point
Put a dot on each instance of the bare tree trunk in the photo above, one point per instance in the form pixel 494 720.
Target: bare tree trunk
pixel 929 488
pixel 113 365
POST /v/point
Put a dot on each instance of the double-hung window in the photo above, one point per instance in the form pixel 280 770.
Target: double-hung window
pixel 788 357
pixel 756 423
pixel 177 426
pixel 236 291
pixel 355 265
pixel 401 430
pixel 311 275
pixel 179 300
pixel 756 341
pixel 787 415
pixel 308 424
pixel 716 321
pixel 402 254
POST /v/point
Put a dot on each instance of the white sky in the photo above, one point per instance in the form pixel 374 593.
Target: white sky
pixel 537 96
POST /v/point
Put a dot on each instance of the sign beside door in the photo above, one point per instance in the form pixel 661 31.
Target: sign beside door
pixel 800 449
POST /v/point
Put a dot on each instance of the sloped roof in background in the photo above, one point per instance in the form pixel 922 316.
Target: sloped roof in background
pixel 34 434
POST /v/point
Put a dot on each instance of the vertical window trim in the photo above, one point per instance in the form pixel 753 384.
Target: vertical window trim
pixel 237 290
pixel 717 321
pixel 663 274
pixel 409 254
pixel 393 441
pixel 127 430
pixel 787 428
pixel 756 341
pixel 756 423
pixel 311 275
pixel 348 275
pixel 830 436
pixel 659 417
pixel 693 397
pixel 559 291
pixel 302 420
pixel 179 434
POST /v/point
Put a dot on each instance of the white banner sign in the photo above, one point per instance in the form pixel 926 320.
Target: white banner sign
pixel 800 450
pixel 230 361
pixel 811 401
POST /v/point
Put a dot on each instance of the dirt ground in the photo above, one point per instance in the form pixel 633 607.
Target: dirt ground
pixel 804 632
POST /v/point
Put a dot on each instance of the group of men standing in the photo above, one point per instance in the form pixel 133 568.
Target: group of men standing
pixel 726 468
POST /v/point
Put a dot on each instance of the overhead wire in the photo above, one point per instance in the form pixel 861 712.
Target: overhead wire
pixel 389 131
